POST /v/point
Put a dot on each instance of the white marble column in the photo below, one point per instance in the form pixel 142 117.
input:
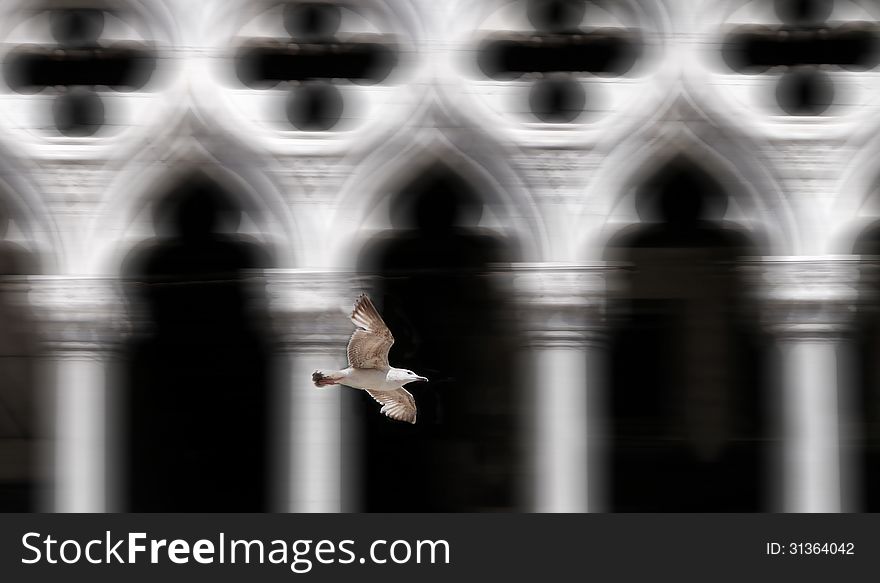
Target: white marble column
pixel 563 319
pixel 81 323
pixel 309 311
pixel 808 306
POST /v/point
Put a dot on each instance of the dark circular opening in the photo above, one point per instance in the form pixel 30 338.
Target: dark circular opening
pixel 803 12
pixel 556 15
pixel 379 61
pixel 315 107
pixel 557 100
pixel 805 92
pixel 78 113
pixel 77 28
pixel 859 50
pixel 312 20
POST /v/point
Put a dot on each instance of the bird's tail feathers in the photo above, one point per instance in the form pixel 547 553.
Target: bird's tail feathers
pixel 323 378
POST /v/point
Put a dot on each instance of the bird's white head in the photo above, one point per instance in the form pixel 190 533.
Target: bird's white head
pixel 404 376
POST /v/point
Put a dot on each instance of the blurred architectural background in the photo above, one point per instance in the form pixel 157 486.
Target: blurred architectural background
pixel 632 243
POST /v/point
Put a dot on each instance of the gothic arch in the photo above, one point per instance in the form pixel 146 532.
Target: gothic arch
pixel 254 191
pixel 430 265
pixel 697 388
pixel 390 169
pixel 753 191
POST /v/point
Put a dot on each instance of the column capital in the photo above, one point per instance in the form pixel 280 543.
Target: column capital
pixel 310 308
pixel 76 314
pixel 563 304
pixel 806 297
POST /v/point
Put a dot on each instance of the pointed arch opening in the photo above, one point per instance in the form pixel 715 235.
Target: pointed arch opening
pixel 686 359
pixel 861 414
pixel 126 217
pixel 433 278
pixel 755 197
pixel 506 204
pixel 199 364
pixel 21 475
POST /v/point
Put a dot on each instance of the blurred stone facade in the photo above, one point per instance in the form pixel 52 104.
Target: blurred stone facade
pixel 318 153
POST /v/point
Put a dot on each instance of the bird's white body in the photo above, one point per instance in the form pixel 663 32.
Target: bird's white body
pixel 374 379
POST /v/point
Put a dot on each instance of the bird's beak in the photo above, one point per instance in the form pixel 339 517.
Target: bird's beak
pixel 422 379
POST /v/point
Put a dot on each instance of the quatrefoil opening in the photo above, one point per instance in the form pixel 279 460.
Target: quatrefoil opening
pixel 78 68
pixel 802 51
pixel 314 63
pixel 557 55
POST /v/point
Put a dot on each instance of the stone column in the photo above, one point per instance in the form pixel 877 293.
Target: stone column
pixel 808 305
pixel 563 319
pixel 310 311
pixel 82 322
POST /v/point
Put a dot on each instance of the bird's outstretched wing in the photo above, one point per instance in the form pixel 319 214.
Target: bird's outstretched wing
pixel 397 404
pixel 369 345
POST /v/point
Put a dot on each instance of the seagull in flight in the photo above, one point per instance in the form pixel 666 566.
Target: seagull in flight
pixel 368 367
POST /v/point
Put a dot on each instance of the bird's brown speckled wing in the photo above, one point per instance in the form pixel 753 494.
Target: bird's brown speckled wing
pixel 370 343
pixel 398 404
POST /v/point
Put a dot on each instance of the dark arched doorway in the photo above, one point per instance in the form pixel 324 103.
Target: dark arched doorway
pixel 686 405
pixel 198 370
pixel 452 323
pixel 19 425
pixel 867 404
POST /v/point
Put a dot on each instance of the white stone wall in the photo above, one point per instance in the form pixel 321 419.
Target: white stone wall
pixel 562 189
